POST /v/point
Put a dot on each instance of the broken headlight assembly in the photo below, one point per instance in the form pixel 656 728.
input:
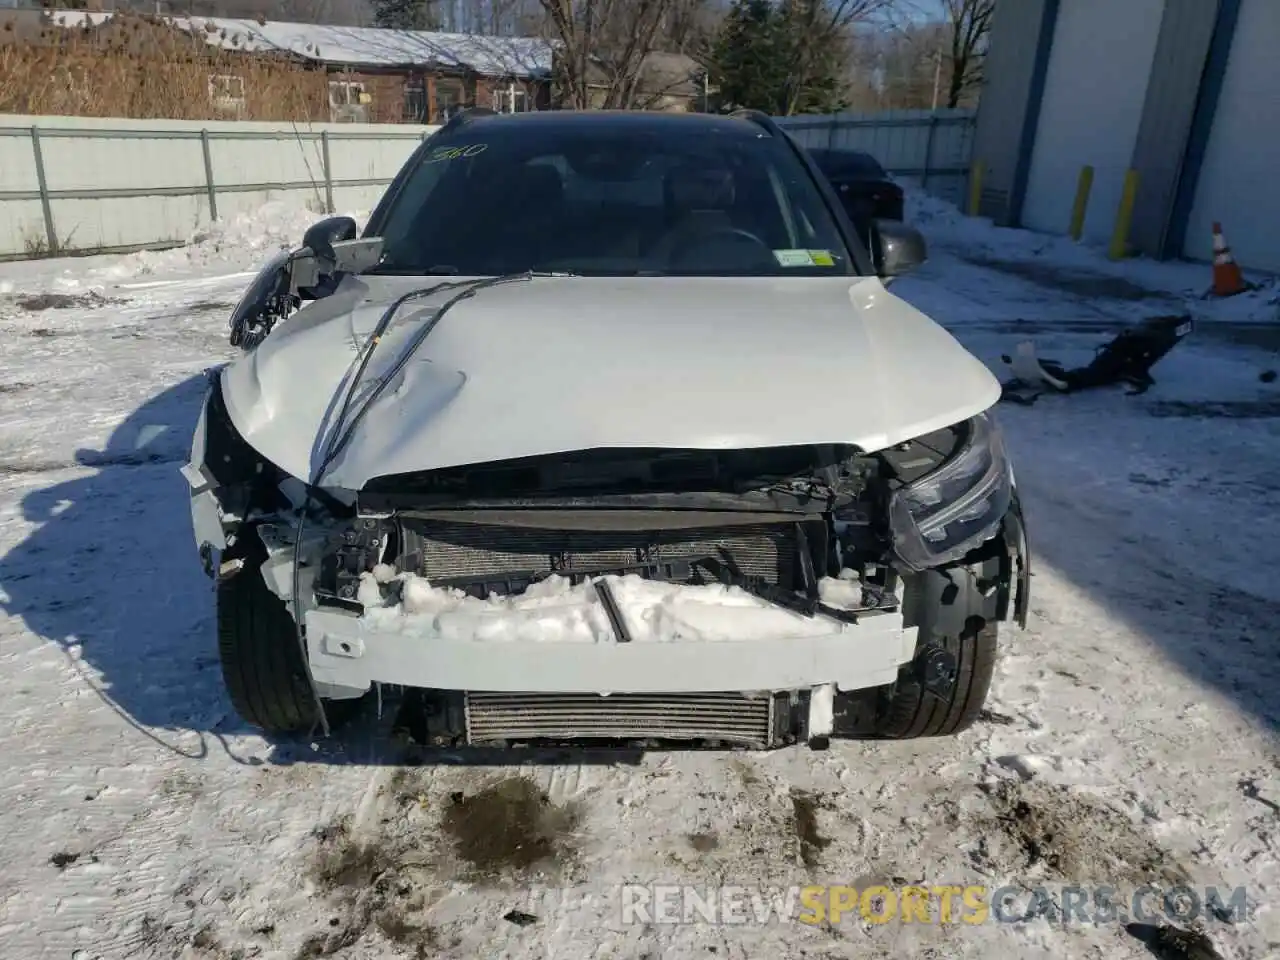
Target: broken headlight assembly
pixel 940 517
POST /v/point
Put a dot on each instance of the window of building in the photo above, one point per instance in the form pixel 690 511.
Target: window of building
pixel 451 97
pixel 346 93
pixel 512 98
pixel 226 93
pixel 348 102
pixel 415 100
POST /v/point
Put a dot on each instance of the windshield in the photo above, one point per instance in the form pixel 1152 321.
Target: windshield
pixel 494 199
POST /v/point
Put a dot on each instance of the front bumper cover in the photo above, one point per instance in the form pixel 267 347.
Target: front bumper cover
pixel 347 653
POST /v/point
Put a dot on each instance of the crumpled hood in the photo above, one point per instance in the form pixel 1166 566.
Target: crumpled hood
pixel 558 364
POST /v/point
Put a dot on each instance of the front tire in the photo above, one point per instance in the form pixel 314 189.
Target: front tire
pixel 262 665
pixel 952 614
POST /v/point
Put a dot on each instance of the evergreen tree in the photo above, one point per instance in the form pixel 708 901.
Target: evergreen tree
pixel 406 14
pixel 769 57
pixel 746 61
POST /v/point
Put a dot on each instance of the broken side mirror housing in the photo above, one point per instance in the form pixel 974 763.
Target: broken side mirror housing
pixel 897 248
pixel 320 237
pixel 330 249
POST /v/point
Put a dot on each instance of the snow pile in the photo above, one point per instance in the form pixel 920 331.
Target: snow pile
pixel 946 226
pixel 247 239
pixel 940 218
pixel 844 591
pixel 554 610
pixel 229 249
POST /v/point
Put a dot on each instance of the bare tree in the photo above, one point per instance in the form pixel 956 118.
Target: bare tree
pixel 913 62
pixel 920 62
pixel 821 33
pixel 689 26
pixel 970 24
pixel 602 46
pixel 495 17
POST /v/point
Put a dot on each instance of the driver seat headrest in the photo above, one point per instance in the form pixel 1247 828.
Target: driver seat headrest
pixel 690 188
pixel 537 184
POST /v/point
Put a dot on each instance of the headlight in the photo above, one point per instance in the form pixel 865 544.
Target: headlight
pixel 942 516
pixel 262 303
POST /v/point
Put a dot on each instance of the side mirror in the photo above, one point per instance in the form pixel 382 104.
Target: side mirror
pixel 321 237
pixel 897 248
pixel 320 240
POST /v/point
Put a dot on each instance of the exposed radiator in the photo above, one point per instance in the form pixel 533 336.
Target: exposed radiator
pixel 475 550
pixel 728 717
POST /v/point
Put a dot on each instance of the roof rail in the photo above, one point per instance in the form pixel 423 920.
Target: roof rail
pixel 760 119
pixel 465 116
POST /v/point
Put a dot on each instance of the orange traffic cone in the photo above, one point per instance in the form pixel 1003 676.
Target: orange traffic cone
pixel 1227 278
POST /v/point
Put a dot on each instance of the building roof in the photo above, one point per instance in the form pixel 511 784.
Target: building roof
pixel 661 74
pixel 357 46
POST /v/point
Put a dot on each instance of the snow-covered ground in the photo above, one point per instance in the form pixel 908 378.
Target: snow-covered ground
pixel 1131 735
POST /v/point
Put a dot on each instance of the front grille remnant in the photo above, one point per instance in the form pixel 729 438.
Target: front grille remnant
pixel 724 717
pixel 452 551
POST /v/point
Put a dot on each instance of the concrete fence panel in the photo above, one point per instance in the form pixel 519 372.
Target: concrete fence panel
pixel 82 185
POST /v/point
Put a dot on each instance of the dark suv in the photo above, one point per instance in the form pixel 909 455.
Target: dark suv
pixel 865 190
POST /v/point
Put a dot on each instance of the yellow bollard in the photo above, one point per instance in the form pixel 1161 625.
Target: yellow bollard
pixel 975 187
pixel 1081 206
pixel 1124 217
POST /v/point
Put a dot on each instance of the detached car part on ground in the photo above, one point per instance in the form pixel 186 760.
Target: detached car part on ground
pixel 734 506
pixel 1126 359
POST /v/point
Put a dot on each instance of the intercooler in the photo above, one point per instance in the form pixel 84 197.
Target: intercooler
pixel 725 717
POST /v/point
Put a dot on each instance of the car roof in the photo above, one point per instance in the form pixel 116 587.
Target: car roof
pixel 641 121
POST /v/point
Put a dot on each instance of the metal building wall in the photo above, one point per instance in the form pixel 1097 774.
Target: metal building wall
pixel 1208 133
pixel 1236 182
pixel 1163 135
pixel 1098 74
pixel 1021 34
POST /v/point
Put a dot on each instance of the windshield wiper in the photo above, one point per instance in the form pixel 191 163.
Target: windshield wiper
pixel 391 270
pixel 465 290
pixel 448 270
pixel 336 442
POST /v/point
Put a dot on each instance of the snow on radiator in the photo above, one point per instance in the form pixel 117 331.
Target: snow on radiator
pixel 553 610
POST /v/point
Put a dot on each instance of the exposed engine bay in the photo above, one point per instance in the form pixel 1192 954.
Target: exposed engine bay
pixel 771 522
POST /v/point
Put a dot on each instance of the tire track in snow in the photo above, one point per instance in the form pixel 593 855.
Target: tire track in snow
pixel 121 876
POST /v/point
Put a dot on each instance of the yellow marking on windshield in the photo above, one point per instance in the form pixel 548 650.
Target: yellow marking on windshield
pixel 454 153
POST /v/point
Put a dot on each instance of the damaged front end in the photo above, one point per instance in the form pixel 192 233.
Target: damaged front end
pixel 783 526
pixel 230 482
pixel 243 505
